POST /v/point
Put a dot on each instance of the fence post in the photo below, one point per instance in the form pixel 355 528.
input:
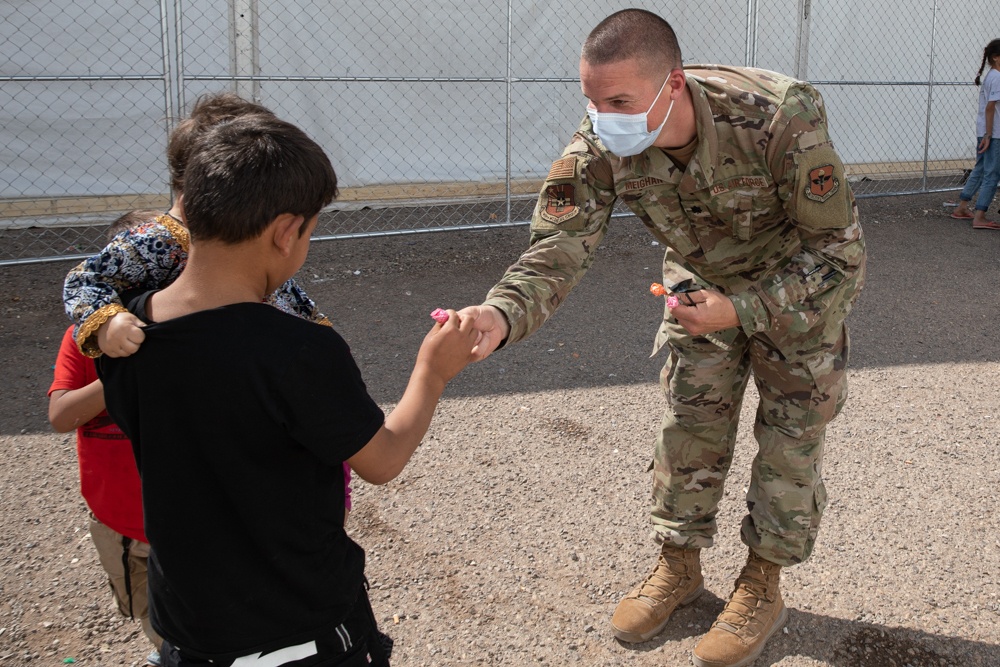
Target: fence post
pixel 179 54
pixel 802 41
pixel 509 83
pixel 168 104
pixel 244 58
pixel 750 55
pixel 930 96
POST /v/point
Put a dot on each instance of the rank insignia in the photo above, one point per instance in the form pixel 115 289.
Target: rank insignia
pixel 822 185
pixel 560 203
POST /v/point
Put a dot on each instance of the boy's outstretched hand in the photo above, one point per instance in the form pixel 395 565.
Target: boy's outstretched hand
pixel 447 348
pixel 121 336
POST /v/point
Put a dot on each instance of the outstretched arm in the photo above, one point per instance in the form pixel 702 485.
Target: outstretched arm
pixel 444 353
pixel 570 219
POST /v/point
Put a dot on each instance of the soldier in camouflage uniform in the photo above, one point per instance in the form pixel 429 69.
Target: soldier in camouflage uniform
pixel 732 169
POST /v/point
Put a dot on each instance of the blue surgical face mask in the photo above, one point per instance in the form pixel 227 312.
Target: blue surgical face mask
pixel 625 134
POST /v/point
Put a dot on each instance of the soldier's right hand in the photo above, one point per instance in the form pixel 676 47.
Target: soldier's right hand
pixel 492 326
pixel 121 336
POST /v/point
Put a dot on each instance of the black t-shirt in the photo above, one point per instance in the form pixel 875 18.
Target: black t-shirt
pixel 240 418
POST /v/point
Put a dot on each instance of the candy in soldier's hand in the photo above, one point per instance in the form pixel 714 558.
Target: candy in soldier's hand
pixel 659 290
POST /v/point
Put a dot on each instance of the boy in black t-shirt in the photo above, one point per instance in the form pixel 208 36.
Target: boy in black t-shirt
pixel 240 448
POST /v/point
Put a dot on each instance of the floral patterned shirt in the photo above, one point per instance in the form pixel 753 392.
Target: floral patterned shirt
pixel 147 257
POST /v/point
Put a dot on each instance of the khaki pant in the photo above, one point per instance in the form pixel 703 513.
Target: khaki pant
pixel 116 553
pixel 799 396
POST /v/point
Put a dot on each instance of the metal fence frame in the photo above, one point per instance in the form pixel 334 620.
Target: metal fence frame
pixel 245 79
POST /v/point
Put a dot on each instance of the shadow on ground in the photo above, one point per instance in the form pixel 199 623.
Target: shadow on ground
pixel 839 642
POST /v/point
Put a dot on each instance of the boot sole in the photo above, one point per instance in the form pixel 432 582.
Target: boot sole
pixel 638 638
pixel 778 624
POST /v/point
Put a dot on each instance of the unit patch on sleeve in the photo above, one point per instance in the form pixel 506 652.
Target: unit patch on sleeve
pixel 822 185
pixel 560 203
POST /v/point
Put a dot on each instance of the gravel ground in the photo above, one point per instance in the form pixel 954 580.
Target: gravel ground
pixel 522 518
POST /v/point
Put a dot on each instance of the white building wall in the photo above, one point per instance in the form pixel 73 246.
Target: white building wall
pixel 76 138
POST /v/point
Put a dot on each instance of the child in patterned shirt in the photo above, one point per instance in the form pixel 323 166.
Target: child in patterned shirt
pixel 152 255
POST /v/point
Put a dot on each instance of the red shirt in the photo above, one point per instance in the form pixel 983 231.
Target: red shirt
pixel 109 480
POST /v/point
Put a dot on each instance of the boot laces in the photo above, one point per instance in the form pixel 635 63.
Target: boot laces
pixel 663 581
pixel 751 589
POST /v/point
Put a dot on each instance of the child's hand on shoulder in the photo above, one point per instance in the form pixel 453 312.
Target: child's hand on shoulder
pixel 121 336
pixel 447 348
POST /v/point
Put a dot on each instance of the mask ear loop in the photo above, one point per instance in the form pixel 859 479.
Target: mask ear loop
pixel 669 109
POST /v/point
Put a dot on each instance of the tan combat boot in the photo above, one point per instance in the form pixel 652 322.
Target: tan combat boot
pixel 676 581
pixel 754 613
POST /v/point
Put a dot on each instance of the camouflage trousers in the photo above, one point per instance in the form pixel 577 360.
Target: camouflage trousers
pixel 799 395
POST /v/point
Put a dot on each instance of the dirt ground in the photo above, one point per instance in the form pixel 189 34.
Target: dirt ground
pixel 521 520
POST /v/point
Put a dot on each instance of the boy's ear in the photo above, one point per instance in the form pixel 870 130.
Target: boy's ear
pixel 285 230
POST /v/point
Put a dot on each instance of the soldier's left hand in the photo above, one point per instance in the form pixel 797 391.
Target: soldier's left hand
pixel 712 311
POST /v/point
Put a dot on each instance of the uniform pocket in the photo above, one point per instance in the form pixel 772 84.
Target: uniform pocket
pixel 743 217
pixel 676 231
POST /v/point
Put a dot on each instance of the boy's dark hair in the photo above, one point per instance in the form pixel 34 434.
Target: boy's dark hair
pixel 208 110
pixel 633 33
pixel 245 173
pixel 130 220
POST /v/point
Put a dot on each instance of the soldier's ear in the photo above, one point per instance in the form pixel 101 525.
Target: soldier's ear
pixel 677 81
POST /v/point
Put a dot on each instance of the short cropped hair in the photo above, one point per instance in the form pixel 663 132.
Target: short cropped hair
pixel 208 110
pixel 633 34
pixel 246 172
pixel 130 220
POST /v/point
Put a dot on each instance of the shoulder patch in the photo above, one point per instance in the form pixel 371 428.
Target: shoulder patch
pixel 822 185
pixel 560 202
pixel 562 169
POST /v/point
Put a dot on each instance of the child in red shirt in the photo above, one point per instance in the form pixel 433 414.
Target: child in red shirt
pixel 109 482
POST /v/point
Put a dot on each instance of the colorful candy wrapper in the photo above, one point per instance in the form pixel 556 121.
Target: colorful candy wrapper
pixel 439 315
pixel 656 289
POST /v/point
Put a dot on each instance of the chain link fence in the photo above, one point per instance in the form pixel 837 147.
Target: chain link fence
pixel 441 114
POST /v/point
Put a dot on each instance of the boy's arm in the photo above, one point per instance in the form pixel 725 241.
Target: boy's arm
pixel 445 351
pixel 292 299
pixel 147 257
pixel 71 408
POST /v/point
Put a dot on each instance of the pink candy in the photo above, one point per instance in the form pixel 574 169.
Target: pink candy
pixel 440 315
pixel 656 289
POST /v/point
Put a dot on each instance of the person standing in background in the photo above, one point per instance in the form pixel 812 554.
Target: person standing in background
pixel 986 173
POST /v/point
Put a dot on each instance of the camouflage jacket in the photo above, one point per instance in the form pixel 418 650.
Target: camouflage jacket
pixel 763 212
pixel 147 257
